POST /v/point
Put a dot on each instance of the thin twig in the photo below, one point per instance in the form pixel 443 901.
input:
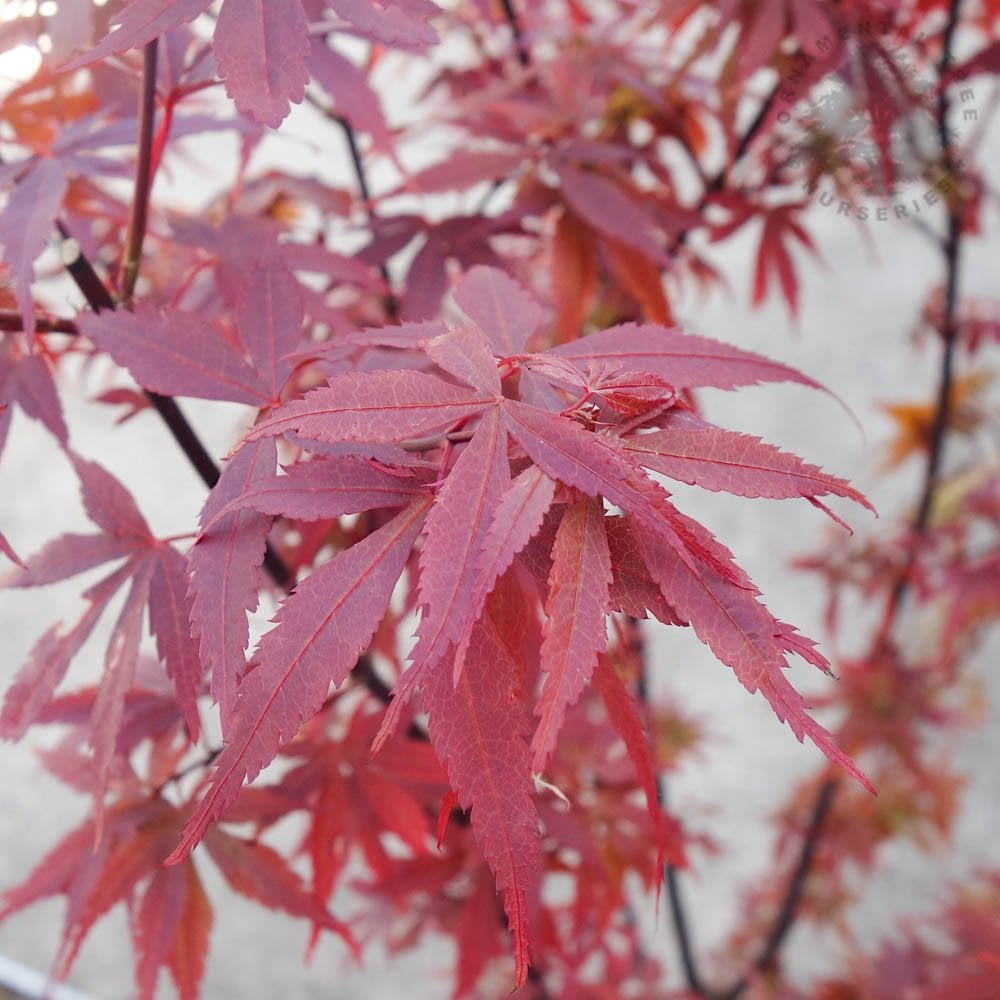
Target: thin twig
pixel 11 322
pixel 717 182
pixel 793 895
pixel 951 247
pixel 206 760
pixel 952 253
pixel 136 233
pixel 361 176
pixel 671 873
pixel 82 272
pixel 515 26
pixel 682 931
pixel 783 922
pixel 364 674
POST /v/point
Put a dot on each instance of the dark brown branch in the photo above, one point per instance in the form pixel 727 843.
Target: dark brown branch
pixel 136 233
pixel 671 873
pixel 83 274
pixel 717 182
pixel 11 322
pixel 783 923
pixel 364 673
pixel 793 896
pixel 196 765
pixel 357 163
pixel 952 253
pixel 361 176
pixel 951 247
pixel 682 931
pixel 515 26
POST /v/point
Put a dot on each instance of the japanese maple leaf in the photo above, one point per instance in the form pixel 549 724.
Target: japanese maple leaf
pixel 225 572
pixel 781 228
pixel 150 714
pixel 353 799
pixel 612 212
pixel 171 915
pixel 319 633
pixel 605 825
pixel 450 891
pixel 622 711
pixel 742 633
pixel 155 574
pixel 179 354
pixel 578 604
pixel 762 28
pixel 567 438
pixel 774 259
pixel 477 728
pixel 454 538
pixel 382 407
pixel 691 450
pixel 26 223
pixel 684 360
pixel 262 46
pixel 235 521
pixel 26 381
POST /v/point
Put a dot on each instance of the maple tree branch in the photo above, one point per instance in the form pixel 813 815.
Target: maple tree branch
pixel 671 873
pixel 11 322
pixel 942 410
pixel 515 26
pixel 360 175
pixel 136 233
pixel 793 895
pixel 364 673
pixel 206 760
pixel 82 272
pixel 681 926
pixel 952 254
pixel 951 247
pixel 535 976
pixel 718 181
pixel 784 921
pixel 350 136
pixel 786 915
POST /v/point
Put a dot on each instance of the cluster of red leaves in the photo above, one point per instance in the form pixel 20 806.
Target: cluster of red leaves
pixel 954 954
pixel 903 703
pixel 452 449
pixel 498 460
